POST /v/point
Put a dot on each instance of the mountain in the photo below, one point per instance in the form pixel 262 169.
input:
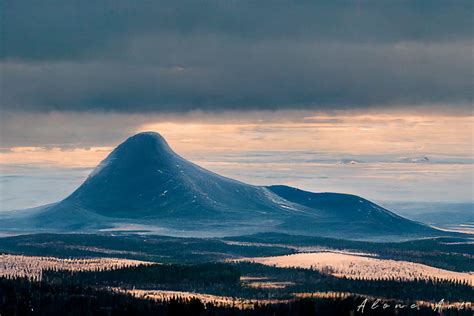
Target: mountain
pixel 144 185
pixel 143 178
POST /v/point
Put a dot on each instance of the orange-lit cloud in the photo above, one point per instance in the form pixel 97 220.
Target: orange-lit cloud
pixel 339 134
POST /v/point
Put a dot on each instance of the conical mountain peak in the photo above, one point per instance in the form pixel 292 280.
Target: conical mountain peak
pixel 148 136
pixel 137 154
pixel 148 143
pixel 144 177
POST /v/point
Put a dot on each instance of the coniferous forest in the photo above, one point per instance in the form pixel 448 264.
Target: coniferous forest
pixel 21 296
pixel 224 279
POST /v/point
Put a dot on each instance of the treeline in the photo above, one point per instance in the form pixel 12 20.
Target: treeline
pixel 22 297
pixel 223 279
pixel 450 253
pixel 307 280
pixel 150 275
pixel 443 244
pixel 139 247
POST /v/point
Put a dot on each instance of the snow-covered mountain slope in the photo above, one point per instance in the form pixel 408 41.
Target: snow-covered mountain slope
pixel 144 182
pixel 143 177
pixel 346 213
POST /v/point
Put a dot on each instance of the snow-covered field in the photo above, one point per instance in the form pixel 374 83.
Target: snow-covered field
pixel 163 295
pixel 263 283
pixel 31 266
pixel 358 266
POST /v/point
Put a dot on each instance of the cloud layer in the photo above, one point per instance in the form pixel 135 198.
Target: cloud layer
pixel 177 56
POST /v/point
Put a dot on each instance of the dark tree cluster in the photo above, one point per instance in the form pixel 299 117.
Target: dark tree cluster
pixel 143 275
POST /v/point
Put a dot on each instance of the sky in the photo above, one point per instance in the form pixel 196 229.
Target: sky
pixel 366 97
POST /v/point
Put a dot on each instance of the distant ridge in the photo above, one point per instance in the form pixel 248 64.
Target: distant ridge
pixel 143 184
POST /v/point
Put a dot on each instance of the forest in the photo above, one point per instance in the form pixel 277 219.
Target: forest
pixel 212 267
pixel 451 253
pixel 224 279
pixel 21 296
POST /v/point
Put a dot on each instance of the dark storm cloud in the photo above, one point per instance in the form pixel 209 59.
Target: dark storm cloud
pixel 175 56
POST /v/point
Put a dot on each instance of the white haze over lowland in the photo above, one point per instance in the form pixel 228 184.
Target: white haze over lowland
pixel 23 186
